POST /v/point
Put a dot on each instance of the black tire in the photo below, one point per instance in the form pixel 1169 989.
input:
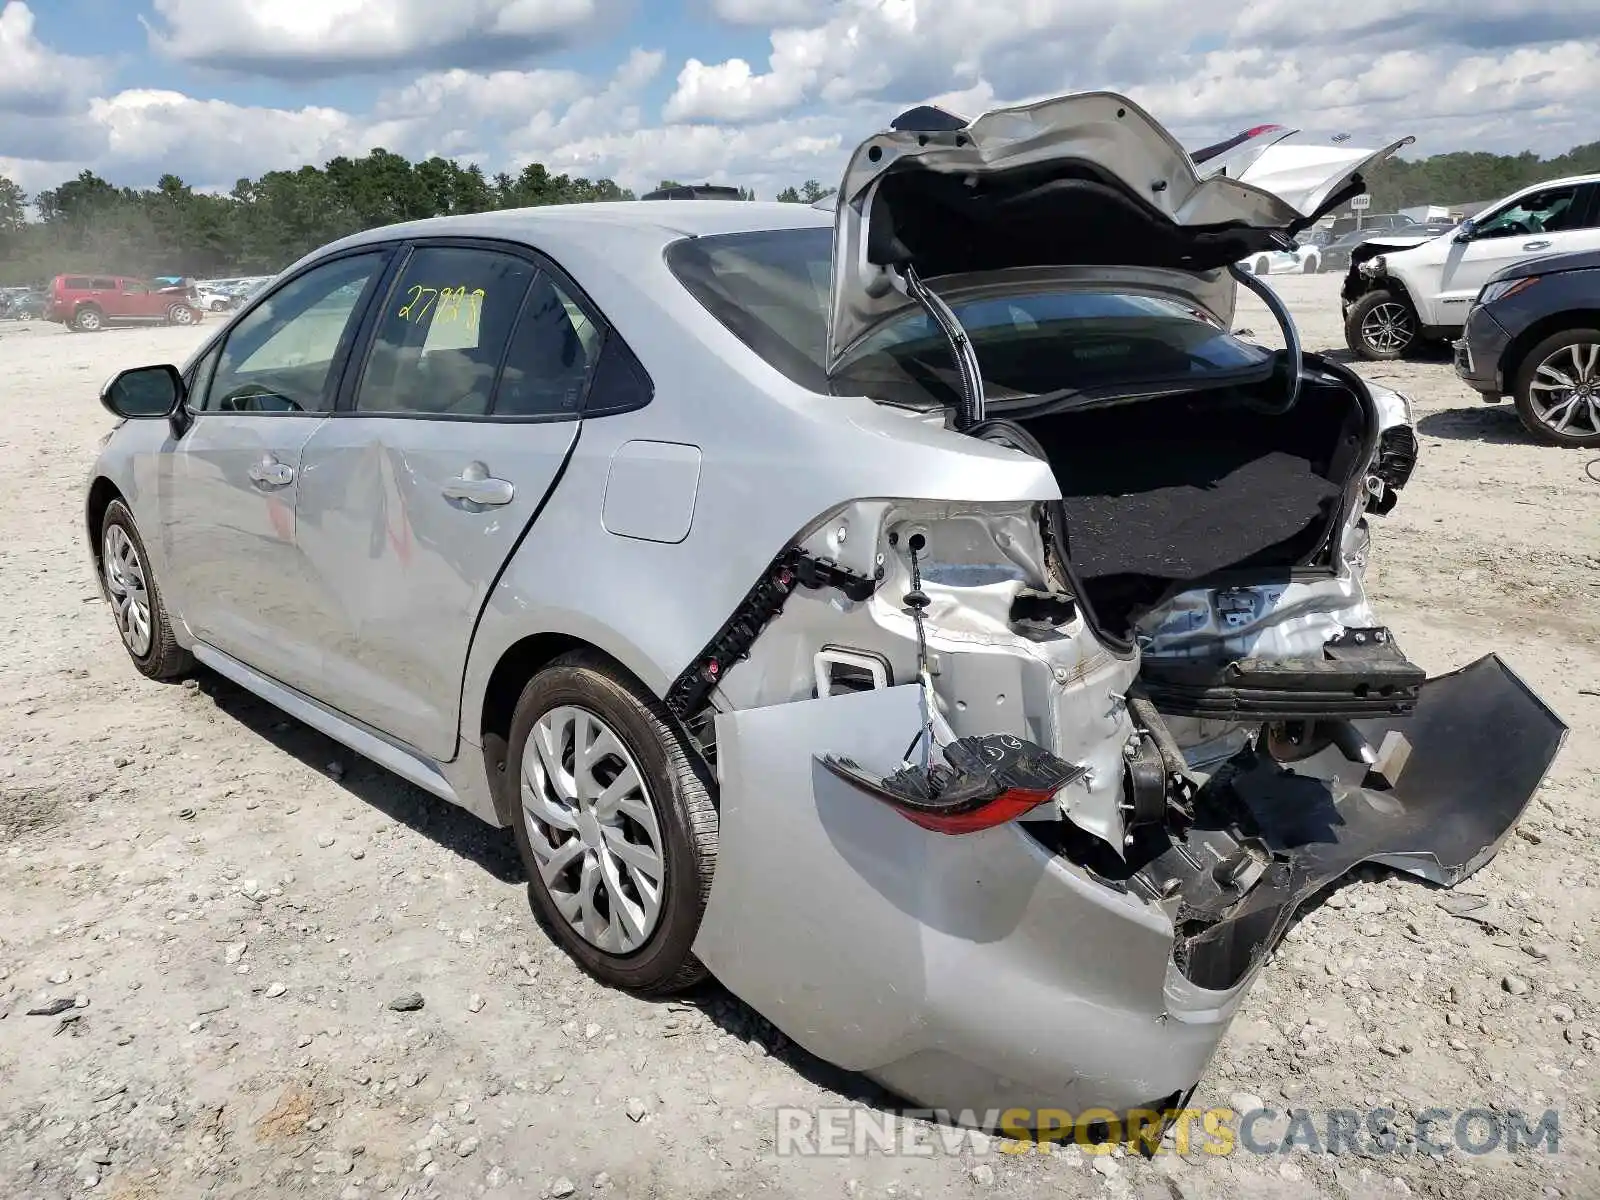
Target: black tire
pixel 1262 267
pixel 1309 267
pixel 164 659
pixel 1359 334
pixel 1587 435
pixel 25 315
pixel 180 314
pixel 89 319
pixel 683 807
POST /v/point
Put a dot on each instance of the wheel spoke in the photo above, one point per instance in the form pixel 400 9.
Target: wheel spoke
pixel 612 795
pixel 640 860
pixel 1586 363
pixel 564 856
pixel 1562 379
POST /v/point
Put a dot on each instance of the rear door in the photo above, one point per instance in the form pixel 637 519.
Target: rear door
pixel 415 494
pixel 136 300
pixel 228 508
pixel 1552 220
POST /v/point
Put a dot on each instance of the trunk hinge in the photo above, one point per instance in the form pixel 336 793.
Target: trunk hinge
pixel 1291 335
pixel 972 405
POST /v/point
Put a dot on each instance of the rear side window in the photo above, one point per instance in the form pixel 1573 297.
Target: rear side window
pixel 552 356
pixel 103 285
pixel 771 290
pixel 75 283
pixel 443 333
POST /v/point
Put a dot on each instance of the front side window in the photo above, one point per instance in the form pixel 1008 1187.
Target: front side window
pixel 135 289
pixel 444 332
pixel 281 355
pixel 1553 210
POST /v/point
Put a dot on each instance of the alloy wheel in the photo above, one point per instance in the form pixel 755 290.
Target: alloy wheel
pixel 593 828
pixel 130 595
pixel 182 316
pixel 89 321
pixel 1565 391
pixel 1388 328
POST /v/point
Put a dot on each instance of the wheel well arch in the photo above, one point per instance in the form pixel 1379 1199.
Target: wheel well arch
pixel 101 493
pixel 1512 359
pixel 520 662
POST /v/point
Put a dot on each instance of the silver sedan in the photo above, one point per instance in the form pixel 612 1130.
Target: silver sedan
pixel 925 617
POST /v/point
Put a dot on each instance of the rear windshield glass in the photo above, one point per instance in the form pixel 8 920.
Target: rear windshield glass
pixel 771 290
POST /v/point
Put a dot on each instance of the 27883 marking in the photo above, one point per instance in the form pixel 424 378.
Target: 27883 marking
pixel 454 304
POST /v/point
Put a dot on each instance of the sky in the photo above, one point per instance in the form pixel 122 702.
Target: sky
pixel 759 93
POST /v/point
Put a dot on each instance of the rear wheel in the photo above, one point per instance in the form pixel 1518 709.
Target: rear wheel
pixel 25 315
pixel 1557 389
pixel 136 603
pixel 614 825
pixel 1262 267
pixel 180 314
pixel 1381 326
pixel 89 319
pixel 1309 267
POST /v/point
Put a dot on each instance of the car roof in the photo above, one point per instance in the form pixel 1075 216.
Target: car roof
pixel 655 223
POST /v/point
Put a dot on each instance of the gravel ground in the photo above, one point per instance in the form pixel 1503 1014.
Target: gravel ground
pixel 231 902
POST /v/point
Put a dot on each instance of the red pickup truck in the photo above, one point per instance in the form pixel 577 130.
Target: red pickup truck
pixel 90 303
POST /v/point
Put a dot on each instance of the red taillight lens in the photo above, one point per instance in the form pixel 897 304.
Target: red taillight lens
pixel 983 782
pixel 1007 806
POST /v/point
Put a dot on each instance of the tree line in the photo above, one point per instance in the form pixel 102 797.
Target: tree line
pixel 88 224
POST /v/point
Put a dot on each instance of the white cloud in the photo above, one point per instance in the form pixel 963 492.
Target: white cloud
pixel 301 38
pixel 34 80
pixel 1377 69
pixel 766 13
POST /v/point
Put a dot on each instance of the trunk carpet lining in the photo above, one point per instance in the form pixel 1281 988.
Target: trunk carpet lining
pixel 1163 494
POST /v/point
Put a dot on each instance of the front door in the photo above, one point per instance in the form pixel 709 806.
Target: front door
pixel 1550 220
pixel 228 510
pixel 412 500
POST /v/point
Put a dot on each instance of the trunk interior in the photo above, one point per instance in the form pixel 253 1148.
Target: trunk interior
pixel 1165 494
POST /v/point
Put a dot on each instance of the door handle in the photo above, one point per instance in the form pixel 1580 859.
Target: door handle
pixel 269 472
pixel 1536 245
pixel 476 486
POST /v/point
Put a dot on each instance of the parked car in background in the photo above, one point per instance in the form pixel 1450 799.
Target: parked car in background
pixel 1400 293
pixel 1303 261
pixel 983 623
pixel 23 304
pixel 89 303
pixel 1374 224
pixel 216 298
pixel 1534 334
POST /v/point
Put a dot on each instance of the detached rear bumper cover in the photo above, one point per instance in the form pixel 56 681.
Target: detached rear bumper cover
pixel 863 936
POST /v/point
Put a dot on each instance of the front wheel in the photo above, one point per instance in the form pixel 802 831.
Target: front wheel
pixel 1557 389
pixel 1380 326
pixel 614 824
pixel 180 314
pixel 25 315
pixel 136 603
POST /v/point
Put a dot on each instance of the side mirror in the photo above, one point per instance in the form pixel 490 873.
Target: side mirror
pixel 145 392
pixel 1465 230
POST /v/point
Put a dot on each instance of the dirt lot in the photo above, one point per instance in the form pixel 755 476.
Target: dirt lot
pixel 232 902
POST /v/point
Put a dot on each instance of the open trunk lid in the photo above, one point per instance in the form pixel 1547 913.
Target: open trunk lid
pixel 1082 181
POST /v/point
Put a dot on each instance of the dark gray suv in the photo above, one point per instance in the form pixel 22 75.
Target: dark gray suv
pixel 1532 334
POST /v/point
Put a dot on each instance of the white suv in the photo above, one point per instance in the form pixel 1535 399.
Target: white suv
pixel 1402 290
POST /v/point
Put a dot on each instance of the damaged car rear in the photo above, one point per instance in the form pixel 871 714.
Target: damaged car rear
pixel 1013 815
pixel 927 617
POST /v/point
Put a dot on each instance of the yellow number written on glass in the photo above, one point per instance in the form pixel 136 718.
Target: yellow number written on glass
pixel 453 304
